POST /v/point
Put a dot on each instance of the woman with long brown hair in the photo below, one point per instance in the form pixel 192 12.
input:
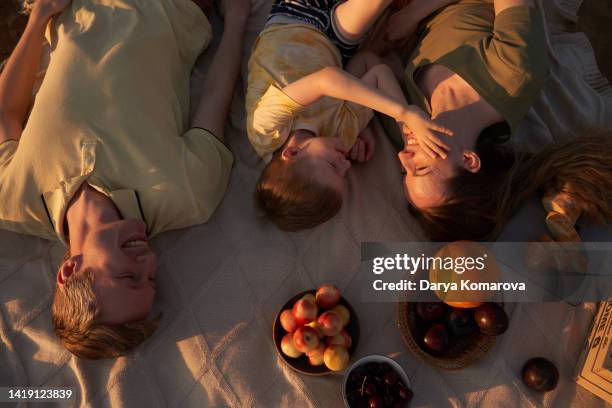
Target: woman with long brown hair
pixel 477 68
pixel 478 205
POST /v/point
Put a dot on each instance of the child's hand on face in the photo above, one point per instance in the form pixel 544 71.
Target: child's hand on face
pixel 424 129
pixel 363 149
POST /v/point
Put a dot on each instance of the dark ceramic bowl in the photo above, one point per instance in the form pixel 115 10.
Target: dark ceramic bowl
pixel 301 363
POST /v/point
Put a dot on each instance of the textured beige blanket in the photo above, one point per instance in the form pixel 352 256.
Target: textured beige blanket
pixel 222 283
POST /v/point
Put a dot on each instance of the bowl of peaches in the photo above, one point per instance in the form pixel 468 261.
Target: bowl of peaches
pixel 316 331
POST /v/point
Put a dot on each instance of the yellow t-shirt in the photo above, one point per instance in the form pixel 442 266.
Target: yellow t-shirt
pixel 111 112
pixel 282 54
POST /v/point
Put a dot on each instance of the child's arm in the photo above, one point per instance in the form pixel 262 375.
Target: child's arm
pixel 403 23
pixel 17 79
pixel 378 90
pixel 218 88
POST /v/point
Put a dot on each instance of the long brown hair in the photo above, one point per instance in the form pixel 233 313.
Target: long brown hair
pixel 480 204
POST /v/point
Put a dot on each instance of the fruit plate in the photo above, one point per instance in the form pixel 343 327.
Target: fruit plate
pixel 301 363
pixel 461 352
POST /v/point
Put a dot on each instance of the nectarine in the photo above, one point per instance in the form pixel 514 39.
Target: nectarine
pixel 305 339
pixel 327 296
pixel 336 358
pixel 288 346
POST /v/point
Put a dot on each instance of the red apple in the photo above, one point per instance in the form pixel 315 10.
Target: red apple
pixel 327 296
pixel 288 346
pixel 315 357
pixel 343 312
pixel 341 339
pixel 305 310
pixel 330 323
pixel 336 358
pixel 288 321
pixel 305 339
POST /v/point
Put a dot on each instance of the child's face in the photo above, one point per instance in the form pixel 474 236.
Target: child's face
pixel 322 159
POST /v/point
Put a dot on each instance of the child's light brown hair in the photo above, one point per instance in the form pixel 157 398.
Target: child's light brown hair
pixel 74 314
pixel 291 199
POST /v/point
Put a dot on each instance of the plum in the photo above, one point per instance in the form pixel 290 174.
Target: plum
pixel 491 319
pixel 540 374
pixel 431 311
pixel 461 322
pixel 436 338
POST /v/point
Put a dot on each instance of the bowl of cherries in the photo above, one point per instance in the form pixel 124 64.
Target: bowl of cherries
pixel 375 382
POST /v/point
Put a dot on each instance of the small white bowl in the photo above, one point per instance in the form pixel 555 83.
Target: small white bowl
pixel 376 358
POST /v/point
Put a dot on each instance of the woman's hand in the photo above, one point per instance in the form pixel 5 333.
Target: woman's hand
pixel 45 9
pixel 363 149
pixel 424 130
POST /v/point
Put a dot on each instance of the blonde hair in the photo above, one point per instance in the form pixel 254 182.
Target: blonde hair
pixel 74 314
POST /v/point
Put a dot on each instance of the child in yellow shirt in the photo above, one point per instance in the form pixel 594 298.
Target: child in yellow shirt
pixel 305 114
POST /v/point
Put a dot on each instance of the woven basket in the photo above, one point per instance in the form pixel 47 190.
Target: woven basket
pixel 462 351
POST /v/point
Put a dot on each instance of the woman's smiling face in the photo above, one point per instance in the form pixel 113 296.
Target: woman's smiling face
pixel 426 177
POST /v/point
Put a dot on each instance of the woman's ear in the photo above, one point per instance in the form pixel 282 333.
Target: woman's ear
pixel 471 161
pixel 289 152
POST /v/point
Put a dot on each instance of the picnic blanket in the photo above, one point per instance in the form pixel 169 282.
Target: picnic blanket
pixel 222 283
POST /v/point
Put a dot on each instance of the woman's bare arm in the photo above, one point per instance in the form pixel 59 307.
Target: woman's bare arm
pixel 19 74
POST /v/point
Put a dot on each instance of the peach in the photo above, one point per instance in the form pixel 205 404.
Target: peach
pixel 330 323
pixel 341 339
pixel 315 325
pixel 310 297
pixel 315 357
pixel 305 310
pixel 327 296
pixel 288 346
pixel 336 358
pixel 305 339
pixel 343 312
pixel 288 322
